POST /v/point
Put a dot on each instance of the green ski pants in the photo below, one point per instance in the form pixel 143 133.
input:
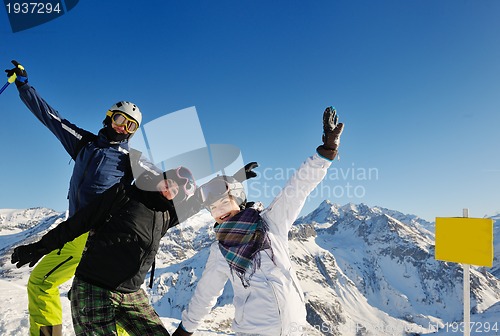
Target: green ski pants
pixel 57 267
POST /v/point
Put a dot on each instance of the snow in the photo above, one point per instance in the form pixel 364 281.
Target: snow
pixel 14 307
pixel 364 271
pixel 14 312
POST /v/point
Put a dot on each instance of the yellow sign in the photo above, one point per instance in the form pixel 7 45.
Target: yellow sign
pixel 465 240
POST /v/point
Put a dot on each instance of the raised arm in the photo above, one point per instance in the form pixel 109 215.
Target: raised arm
pixel 67 133
pixel 286 207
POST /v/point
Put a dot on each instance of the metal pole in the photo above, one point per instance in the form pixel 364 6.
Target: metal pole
pixel 4 87
pixel 466 268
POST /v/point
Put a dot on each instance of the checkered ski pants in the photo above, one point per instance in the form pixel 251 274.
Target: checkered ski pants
pixel 96 311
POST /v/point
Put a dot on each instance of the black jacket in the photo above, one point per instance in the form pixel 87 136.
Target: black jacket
pixel 126 225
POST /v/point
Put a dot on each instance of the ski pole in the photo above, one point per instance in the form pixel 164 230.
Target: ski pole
pixel 10 80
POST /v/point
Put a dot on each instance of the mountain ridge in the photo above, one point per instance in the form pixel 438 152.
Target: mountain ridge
pixel 364 270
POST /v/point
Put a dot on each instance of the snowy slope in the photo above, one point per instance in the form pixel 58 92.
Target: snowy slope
pixel 364 271
pixel 23 226
pixel 26 226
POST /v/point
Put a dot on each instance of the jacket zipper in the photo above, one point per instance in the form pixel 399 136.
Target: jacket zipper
pixel 55 268
pixel 277 301
pixel 77 203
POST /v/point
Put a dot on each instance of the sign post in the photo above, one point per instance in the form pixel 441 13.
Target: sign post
pixel 466 268
pixel 468 241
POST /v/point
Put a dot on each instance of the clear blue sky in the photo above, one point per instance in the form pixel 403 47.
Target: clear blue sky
pixel 417 84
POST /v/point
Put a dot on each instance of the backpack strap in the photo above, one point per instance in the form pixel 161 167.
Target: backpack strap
pixel 152 274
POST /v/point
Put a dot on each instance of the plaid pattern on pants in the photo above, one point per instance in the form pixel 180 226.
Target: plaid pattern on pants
pixel 97 311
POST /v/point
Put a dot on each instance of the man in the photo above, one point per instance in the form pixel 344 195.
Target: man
pixel 251 250
pixel 126 224
pixel 101 161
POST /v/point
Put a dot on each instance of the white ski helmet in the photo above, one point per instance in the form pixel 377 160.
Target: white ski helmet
pixel 129 109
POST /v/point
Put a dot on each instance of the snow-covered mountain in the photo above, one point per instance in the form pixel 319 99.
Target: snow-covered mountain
pixel 24 226
pixel 365 271
pixel 495 270
pixel 389 257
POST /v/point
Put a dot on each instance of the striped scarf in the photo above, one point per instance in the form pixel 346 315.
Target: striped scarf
pixel 240 240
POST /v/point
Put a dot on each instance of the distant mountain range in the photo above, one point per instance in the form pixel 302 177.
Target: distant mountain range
pixel 364 270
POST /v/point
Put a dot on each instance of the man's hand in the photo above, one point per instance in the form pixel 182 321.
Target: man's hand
pixel 17 74
pixel 30 253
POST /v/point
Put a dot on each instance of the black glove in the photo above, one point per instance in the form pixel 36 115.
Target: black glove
pixel 21 74
pixel 180 331
pixel 331 134
pixel 246 172
pixel 30 253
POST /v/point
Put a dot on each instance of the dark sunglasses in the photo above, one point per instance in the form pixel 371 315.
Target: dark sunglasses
pixel 188 182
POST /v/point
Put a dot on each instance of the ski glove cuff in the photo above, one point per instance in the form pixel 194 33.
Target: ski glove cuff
pixel 180 331
pixel 30 253
pixel 332 130
pixel 17 74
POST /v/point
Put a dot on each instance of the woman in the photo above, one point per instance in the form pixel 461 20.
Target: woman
pixel 126 224
pixel 252 250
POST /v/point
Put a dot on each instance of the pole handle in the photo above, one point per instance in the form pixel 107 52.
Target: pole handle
pixel 11 79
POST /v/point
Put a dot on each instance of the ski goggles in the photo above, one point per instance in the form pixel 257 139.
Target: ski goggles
pixel 214 190
pixel 184 179
pixel 121 119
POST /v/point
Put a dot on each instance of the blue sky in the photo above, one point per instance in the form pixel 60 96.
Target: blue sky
pixel 415 82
